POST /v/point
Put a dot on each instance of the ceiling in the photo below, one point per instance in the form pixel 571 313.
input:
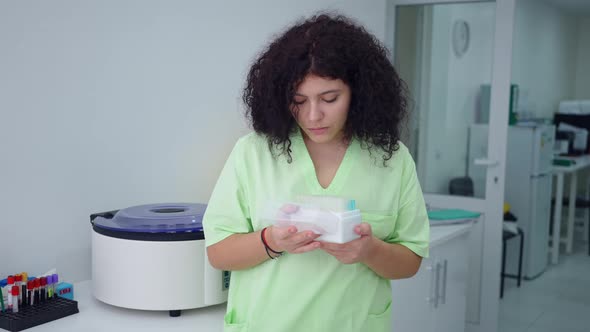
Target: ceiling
pixel 576 7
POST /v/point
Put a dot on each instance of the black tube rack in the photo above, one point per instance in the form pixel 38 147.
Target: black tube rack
pixel 29 316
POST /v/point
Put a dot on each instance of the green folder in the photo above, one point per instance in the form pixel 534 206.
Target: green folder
pixel 563 162
pixel 452 214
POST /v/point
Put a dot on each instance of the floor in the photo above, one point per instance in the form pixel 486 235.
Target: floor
pixel 558 300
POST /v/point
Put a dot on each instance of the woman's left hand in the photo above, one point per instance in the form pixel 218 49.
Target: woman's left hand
pixel 354 251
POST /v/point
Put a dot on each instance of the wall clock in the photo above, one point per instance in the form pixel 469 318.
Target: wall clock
pixel 460 37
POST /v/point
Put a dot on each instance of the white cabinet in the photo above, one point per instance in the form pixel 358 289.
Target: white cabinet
pixel 452 285
pixel 435 298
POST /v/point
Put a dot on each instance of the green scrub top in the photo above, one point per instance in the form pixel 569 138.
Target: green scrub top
pixel 313 291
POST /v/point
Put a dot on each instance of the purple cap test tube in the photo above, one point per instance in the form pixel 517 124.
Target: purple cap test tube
pixel 49 292
pixel 55 280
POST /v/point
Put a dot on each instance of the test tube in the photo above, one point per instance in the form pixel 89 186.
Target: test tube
pixel 23 287
pixel 2 307
pixel 43 290
pixel 31 292
pixel 37 290
pixel 15 293
pixel 50 286
pixel 55 281
pixel 18 280
pixel 9 286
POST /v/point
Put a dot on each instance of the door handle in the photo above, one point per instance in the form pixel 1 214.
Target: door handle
pixel 485 162
pixel 436 287
pixel 444 287
pixel 430 298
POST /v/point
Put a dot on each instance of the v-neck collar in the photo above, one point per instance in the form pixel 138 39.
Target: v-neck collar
pixel 302 158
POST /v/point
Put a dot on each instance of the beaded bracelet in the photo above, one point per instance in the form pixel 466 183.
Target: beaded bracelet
pixel 267 247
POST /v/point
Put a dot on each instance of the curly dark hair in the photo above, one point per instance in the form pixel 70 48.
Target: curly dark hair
pixel 335 47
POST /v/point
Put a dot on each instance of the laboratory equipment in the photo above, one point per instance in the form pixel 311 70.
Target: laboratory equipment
pixel 153 257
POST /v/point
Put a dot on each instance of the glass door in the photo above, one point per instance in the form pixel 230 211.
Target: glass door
pixel 444 54
pixel 455 58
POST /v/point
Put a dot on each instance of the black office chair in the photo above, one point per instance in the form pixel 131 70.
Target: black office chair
pixel 507 235
pixel 463 186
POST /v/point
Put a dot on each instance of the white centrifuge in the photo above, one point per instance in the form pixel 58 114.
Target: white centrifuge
pixel 153 257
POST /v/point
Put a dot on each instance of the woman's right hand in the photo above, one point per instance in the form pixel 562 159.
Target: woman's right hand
pixel 287 238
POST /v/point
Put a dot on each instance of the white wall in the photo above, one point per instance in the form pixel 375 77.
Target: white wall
pixel 466 76
pixel 454 89
pixel 543 56
pixel 582 87
pixel 436 107
pixel 109 104
pixel 405 62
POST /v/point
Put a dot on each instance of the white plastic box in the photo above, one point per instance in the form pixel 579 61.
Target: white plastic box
pixel 333 217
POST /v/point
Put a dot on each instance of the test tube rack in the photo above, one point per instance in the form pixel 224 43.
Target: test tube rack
pixel 29 316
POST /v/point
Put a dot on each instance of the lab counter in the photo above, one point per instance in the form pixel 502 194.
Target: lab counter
pixel 442 234
pixel 96 316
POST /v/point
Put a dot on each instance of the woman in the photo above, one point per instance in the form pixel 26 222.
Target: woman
pixel 326 106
